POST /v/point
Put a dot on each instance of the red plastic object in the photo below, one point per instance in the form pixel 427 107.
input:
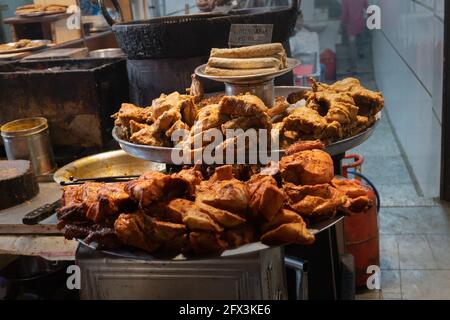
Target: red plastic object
pixel 328 59
pixel 356 164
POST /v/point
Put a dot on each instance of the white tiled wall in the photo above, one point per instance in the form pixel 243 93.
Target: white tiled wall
pixel 408 58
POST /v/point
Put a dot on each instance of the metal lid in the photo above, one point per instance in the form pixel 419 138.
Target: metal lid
pixel 24 127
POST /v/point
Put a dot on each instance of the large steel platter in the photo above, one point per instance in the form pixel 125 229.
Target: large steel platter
pixel 137 254
pixel 163 154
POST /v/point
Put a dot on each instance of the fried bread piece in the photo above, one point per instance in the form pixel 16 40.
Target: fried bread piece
pixel 288 233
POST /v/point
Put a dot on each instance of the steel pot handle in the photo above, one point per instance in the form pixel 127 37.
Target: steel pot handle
pixel 106 14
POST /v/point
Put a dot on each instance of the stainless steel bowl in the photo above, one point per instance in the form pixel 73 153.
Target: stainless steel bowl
pixel 107 53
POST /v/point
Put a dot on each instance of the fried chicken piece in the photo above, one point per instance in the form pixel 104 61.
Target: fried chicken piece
pixel 215 99
pixel 288 233
pixel 128 112
pixel 148 135
pixel 153 187
pixel 111 199
pixel 239 236
pixel 357 196
pixel 231 195
pixel 295 97
pixel 279 111
pixel 369 102
pixel 195 219
pixel 178 126
pixel 196 89
pixel 222 173
pixel 222 217
pixel 259 121
pixel 314 201
pixel 283 216
pixel 308 167
pixel 303 146
pixel 266 199
pixel 176 209
pixel 147 233
pixel 175 102
pixel 338 107
pixel 207 118
pixel 246 105
pixel 203 243
pixel 192 177
pixel 305 121
pixel 131 230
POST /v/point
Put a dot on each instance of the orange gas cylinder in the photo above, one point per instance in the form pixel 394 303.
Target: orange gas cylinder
pixel 361 233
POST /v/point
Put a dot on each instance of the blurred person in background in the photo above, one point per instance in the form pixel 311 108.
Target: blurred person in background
pixel 353 23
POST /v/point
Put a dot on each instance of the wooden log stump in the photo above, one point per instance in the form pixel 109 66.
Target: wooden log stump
pixel 17 183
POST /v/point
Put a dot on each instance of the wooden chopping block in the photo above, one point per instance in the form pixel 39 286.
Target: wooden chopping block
pixel 17 183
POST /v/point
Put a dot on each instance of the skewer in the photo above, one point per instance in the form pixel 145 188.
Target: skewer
pixel 74 181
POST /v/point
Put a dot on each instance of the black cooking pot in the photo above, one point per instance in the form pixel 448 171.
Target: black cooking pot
pixel 193 35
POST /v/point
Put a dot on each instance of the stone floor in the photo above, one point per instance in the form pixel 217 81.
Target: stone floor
pixel 414 231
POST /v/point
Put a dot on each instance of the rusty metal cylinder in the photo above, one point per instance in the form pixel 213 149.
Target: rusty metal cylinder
pixel 29 139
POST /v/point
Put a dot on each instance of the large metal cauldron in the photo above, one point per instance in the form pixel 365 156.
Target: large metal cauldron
pixel 163 52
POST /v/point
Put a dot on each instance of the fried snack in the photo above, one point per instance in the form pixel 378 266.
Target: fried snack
pixel 231 195
pixel 242 106
pixel 288 233
pixel 369 102
pixel 129 112
pixel 314 201
pixel 357 196
pixel 266 199
pixel 153 187
pixel 195 219
pixel 305 121
pixel 283 216
pixel 222 217
pixel 303 146
pixel 238 72
pixel 203 243
pixel 262 50
pixel 192 177
pixel 279 110
pixel 308 167
pixel 111 200
pixel 239 236
pixel 207 118
pixel 259 121
pixel 184 104
pixel 251 63
pixel 145 232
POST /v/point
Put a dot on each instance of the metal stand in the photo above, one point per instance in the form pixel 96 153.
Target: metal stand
pixel 255 276
pixel 264 90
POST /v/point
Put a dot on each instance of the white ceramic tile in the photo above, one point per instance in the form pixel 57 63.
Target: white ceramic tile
pixel 415 253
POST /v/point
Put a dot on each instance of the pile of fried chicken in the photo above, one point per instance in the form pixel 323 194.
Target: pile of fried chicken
pixel 187 213
pixel 328 113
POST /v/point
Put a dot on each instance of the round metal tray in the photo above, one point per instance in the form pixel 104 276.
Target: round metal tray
pixel 138 254
pixel 42 46
pixel 291 64
pixel 163 154
pixel 108 164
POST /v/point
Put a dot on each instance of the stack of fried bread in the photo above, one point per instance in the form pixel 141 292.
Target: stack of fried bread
pixel 185 213
pixel 252 60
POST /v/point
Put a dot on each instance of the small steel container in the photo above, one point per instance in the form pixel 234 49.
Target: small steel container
pixel 29 139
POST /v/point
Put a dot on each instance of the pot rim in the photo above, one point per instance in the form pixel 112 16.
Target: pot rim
pixel 30 126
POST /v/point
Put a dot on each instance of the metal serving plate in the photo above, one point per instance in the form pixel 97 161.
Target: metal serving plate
pixel 163 154
pixel 291 64
pixel 137 254
pixel 42 46
pixel 108 164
